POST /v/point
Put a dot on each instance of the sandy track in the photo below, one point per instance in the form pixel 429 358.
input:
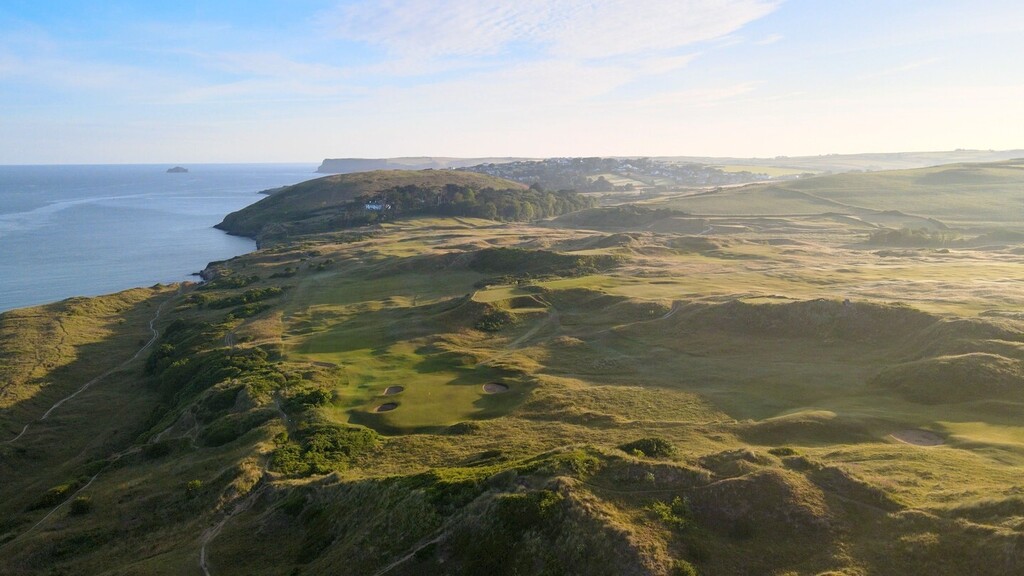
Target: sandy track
pixel 918 437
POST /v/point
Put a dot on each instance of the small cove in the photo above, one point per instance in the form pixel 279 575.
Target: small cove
pixel 87 230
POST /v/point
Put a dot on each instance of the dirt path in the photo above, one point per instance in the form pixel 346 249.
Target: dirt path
pixel 513 345
pixel 672 311
pixel 210 533
pixel 61 505
pixel 70 498
pixel 155 334
pixel 917 437
pixel 412 553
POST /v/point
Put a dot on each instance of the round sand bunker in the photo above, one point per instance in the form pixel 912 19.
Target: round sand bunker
pixel 392 390
pixel 386 407
pixel 918 437
pixel 495 388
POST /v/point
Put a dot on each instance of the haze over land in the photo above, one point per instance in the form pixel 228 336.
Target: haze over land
pixel 119 82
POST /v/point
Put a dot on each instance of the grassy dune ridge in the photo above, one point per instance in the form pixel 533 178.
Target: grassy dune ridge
pixel 585 395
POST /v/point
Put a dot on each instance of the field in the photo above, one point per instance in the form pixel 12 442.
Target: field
pixel 744 384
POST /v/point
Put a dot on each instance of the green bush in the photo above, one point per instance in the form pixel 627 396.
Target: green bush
pixel 307 399
pixel 56 495
pixel 651 447
pixel 247 297
pixel 228 282
pixel 495 320
pixel 460 428
pixel 677 514
pixel 321 448
pixel 683 568
pixel 193 488
pixel 248 310
pixel 520 512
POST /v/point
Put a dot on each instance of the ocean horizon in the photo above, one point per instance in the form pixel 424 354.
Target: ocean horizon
pixel 86 230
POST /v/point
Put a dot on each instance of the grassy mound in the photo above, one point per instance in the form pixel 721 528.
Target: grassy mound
pixel 520 262
pixel 951 379
pixel 806 428
pixel 823 319
pixel 629 216
pixel 763 502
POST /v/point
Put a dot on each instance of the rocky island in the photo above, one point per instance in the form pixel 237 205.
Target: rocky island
pixel 177 170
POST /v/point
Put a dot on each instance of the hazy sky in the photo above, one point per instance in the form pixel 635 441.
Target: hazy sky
pixel 300 80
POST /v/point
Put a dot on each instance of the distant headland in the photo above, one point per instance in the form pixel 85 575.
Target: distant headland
pixel 350 165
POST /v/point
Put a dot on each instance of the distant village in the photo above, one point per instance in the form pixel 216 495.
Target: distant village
pixel 613 174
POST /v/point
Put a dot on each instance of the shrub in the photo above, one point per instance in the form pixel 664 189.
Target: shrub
pixel 229 281
pixel 460 428
pixel 307 399
pixel 495 320
pixel 579 463
pixel 321 448
pixel 248 310
pixel 247 297
pixel 677 514
pixel 193 488
pixel 55 495
pixel 683 568
pixel 650 447
pixel 520 512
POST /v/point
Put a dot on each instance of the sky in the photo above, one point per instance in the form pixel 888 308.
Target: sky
pixel 299 80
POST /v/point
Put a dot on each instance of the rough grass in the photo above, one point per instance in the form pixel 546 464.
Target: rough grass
pixel 776 397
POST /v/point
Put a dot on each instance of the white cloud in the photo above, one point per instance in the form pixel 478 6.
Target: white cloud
pixel 698 97
pixel 771 39
pixel 897 70
pixel 565 29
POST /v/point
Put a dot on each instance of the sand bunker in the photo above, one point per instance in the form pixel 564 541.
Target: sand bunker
pixel 392 390
pixel 918 437
pixel 495 388
pixel 386 407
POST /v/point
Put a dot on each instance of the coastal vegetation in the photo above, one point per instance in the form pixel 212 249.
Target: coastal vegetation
pixel 740 381
pixel 354 200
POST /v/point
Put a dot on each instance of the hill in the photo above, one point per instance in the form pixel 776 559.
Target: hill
pixel 957 201
pixel 618 390
pixel 348 200
pixel 349 165
pixel 856 162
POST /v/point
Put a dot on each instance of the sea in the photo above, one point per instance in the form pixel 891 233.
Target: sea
pixel 95 229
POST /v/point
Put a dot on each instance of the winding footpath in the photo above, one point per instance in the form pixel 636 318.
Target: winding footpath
pixel 155 335
pixel 210 533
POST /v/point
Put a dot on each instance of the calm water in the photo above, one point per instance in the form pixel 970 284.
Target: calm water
pixel 87 230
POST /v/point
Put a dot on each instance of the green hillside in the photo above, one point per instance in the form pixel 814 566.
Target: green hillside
pixel 718 388
pixel 316 197
pixel 989 194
